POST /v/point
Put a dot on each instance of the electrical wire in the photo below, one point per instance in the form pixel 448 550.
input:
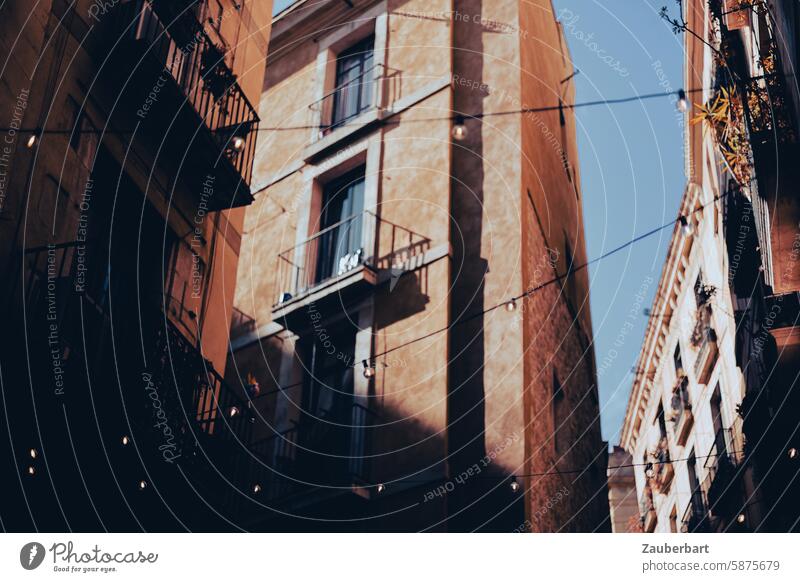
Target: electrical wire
pixel 452 117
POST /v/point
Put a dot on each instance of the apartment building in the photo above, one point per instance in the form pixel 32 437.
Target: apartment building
pixel 126 168
pixel 712 416
pixel 623 502
pixel 398 381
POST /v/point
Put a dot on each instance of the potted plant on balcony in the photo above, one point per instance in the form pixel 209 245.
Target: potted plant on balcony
pixel 217 75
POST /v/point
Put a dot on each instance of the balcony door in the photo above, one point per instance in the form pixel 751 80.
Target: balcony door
pixel 325 429
pixel 354 82
pixel 339 242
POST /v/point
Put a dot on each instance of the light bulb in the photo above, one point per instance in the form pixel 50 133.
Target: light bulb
pixel 142 485
pixel 233 411
pixel 256 488
pixel 381 488
pixel 31 471
pixel 125 440
pixel 511 305
pixel 649 471
pixel 34 453
pixel 792 453
pixel 32 140
pixel 740 518
pixel 514 484
pixel 238 143
pixel 687 228
pixel 369 371
pixel 682 104
pixel 459 129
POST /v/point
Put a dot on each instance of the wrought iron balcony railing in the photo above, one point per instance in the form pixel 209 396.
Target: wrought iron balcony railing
pixel 707 351
pixel 349 100
pixel 682 417
pixel 189 387
pixel 339 249
pixel 695 519
pixel 197 68
pixel 769 107
pixel 662 466
pixel 316 454
pixel 647 509
pixel 722 468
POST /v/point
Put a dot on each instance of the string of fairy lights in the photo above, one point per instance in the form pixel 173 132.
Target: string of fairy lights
pixel 459 132
pixel 459 120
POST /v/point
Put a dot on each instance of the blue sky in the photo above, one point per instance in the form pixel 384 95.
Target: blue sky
pixel 631 167
pixel 631 159
pixel 279 5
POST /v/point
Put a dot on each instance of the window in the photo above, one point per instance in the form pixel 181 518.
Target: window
pixel 339 242
pixel 85 136
pixel 326 425
pixel 47 206
pixel 677 360
pixel 353 87
pixel 662 422
pixel 699 290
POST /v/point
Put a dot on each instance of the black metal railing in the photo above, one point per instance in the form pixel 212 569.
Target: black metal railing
pixel 177 367
pixel 305 456
pixel 704 338
pixel 722 465
pixel 338 249
pixel 349 100
pixel 695 518
pixel 187 384
pixel 197 66
pixel 647 509
pixel 662 466
pixel 769 107
pixel 681 404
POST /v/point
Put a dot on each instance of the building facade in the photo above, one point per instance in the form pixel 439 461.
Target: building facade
pixel 622 499
pixel 127 156
pixel 395 384
pixel 712 418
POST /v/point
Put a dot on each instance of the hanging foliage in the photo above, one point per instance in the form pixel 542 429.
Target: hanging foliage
pixel 725 116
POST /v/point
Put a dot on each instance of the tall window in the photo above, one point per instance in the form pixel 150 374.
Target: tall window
pixel 677 359
pixel 699 295
pixel 353 91
pixel 326 422
pixel 339 246
pixel 662 422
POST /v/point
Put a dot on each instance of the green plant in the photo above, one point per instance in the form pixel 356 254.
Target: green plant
pixel 724 115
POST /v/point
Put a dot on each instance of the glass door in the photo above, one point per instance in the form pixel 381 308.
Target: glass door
pixel 354 80
pixel 339 244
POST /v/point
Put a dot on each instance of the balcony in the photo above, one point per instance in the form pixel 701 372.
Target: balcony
pixel 723 490
pixel 769 108
pixel 341 262
pixel 202 409
pixel 647 510
pixel 682 417
pixel 695 519
pixel 704 340
pixel 662 465
pixel 347 110
pixel 211 126
pixel 316 455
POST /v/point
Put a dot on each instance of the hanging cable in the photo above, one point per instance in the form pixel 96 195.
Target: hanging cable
pixel 680 93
